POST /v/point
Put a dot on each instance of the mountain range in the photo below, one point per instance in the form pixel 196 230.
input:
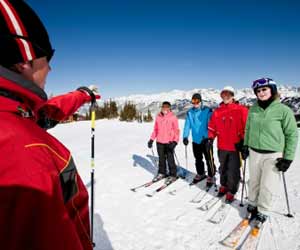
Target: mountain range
pixel 180 99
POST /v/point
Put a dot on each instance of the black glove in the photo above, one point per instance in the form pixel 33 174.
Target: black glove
pixel 283 164
pixel 172 145
pixel 150 143
pixel 240 147
pixel 185 141
pixel 89 91
pixel 245 152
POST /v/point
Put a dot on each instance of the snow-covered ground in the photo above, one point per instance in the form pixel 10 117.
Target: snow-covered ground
pixel 125 220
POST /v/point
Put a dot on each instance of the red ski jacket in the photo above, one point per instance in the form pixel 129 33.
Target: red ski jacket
pixel 44 203
pixel 228 124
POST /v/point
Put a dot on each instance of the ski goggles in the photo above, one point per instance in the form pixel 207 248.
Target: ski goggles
pixel 262 82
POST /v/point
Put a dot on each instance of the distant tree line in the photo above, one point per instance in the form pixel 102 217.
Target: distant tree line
pixel 129 113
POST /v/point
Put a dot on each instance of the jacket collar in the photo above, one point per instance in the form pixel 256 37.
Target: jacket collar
pixel 167 115
pixel 25 92
pixel 222 104
pixel 275 102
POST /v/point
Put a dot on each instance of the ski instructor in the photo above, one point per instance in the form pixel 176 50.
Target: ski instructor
pixel 44 203
pixel 271 139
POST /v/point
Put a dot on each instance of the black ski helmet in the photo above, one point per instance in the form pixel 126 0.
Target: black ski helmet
pixel 23 36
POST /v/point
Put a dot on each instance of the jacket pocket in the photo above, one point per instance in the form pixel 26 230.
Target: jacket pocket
pixel 68 181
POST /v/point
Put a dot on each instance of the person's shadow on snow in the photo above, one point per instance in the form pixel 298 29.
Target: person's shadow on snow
pixel 149 165
pixel 100 236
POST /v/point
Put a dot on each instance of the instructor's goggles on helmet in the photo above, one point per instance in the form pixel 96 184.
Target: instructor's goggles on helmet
pixel 262 82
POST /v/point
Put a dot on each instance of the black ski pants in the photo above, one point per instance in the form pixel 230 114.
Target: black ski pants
pixel 199 150
pixel 165 155
pixel 230 163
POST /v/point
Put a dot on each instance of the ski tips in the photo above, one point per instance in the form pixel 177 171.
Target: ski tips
pixel 149 195
pixel 133 190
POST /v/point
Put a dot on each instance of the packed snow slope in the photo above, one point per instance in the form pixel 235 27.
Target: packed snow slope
pixel 125 220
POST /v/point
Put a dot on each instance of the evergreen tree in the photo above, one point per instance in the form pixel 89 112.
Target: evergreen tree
pixel 113 110
pixel 148 117
pixel 129 112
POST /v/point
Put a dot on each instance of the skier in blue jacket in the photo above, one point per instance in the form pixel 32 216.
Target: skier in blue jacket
pixel 197 119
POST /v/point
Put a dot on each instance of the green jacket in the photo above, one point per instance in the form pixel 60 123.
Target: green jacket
pixel 273 129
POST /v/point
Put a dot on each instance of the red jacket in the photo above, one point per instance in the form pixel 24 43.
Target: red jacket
pixel 228 124
pixel 44 203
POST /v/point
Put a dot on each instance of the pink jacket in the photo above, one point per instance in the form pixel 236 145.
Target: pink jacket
pixel 166 128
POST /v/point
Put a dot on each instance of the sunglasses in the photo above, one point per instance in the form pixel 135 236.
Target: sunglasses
pixel 48 54
pixel 262 82
pixel 261 90
pixel 195 101
pixel 226 93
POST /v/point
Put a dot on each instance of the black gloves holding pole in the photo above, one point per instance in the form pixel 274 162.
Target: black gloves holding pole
pixel 283 164
pixel 243 149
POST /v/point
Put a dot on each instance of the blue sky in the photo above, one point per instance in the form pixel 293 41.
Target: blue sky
pixel 149 46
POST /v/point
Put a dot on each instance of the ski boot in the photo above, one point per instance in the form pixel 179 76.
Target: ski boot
pixel 252 210
pixel 229 198
pixel 170 179
pixel 261 218
pixel 158 177
pixel 222 191
pixel 198 178
pixel 210 181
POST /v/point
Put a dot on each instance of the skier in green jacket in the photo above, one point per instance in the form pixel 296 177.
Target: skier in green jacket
pixel 270 141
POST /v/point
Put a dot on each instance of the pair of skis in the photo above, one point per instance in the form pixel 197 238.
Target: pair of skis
pixel 162 187
pixel 148 184
pixel 252 238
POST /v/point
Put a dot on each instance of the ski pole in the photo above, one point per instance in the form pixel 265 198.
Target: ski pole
pixel 186 158
pixel 154 157
pixel 212 167
pixel 243 184
pixel 93 118
pixel 286 197
pixel 176 159
pixel 182 170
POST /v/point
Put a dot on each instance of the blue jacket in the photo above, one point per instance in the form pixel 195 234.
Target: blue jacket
pixel 197 121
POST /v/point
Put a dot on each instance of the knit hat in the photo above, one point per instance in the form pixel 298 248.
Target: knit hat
pixel 197 96
pixel 166 103
pixel 23 36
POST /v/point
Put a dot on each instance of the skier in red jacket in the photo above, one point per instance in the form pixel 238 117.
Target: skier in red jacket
pixel 228 123
pixel 44 203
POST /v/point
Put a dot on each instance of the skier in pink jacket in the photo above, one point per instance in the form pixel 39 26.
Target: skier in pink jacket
pixel 166 133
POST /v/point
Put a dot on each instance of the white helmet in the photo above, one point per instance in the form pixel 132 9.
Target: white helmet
pixel 229 89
